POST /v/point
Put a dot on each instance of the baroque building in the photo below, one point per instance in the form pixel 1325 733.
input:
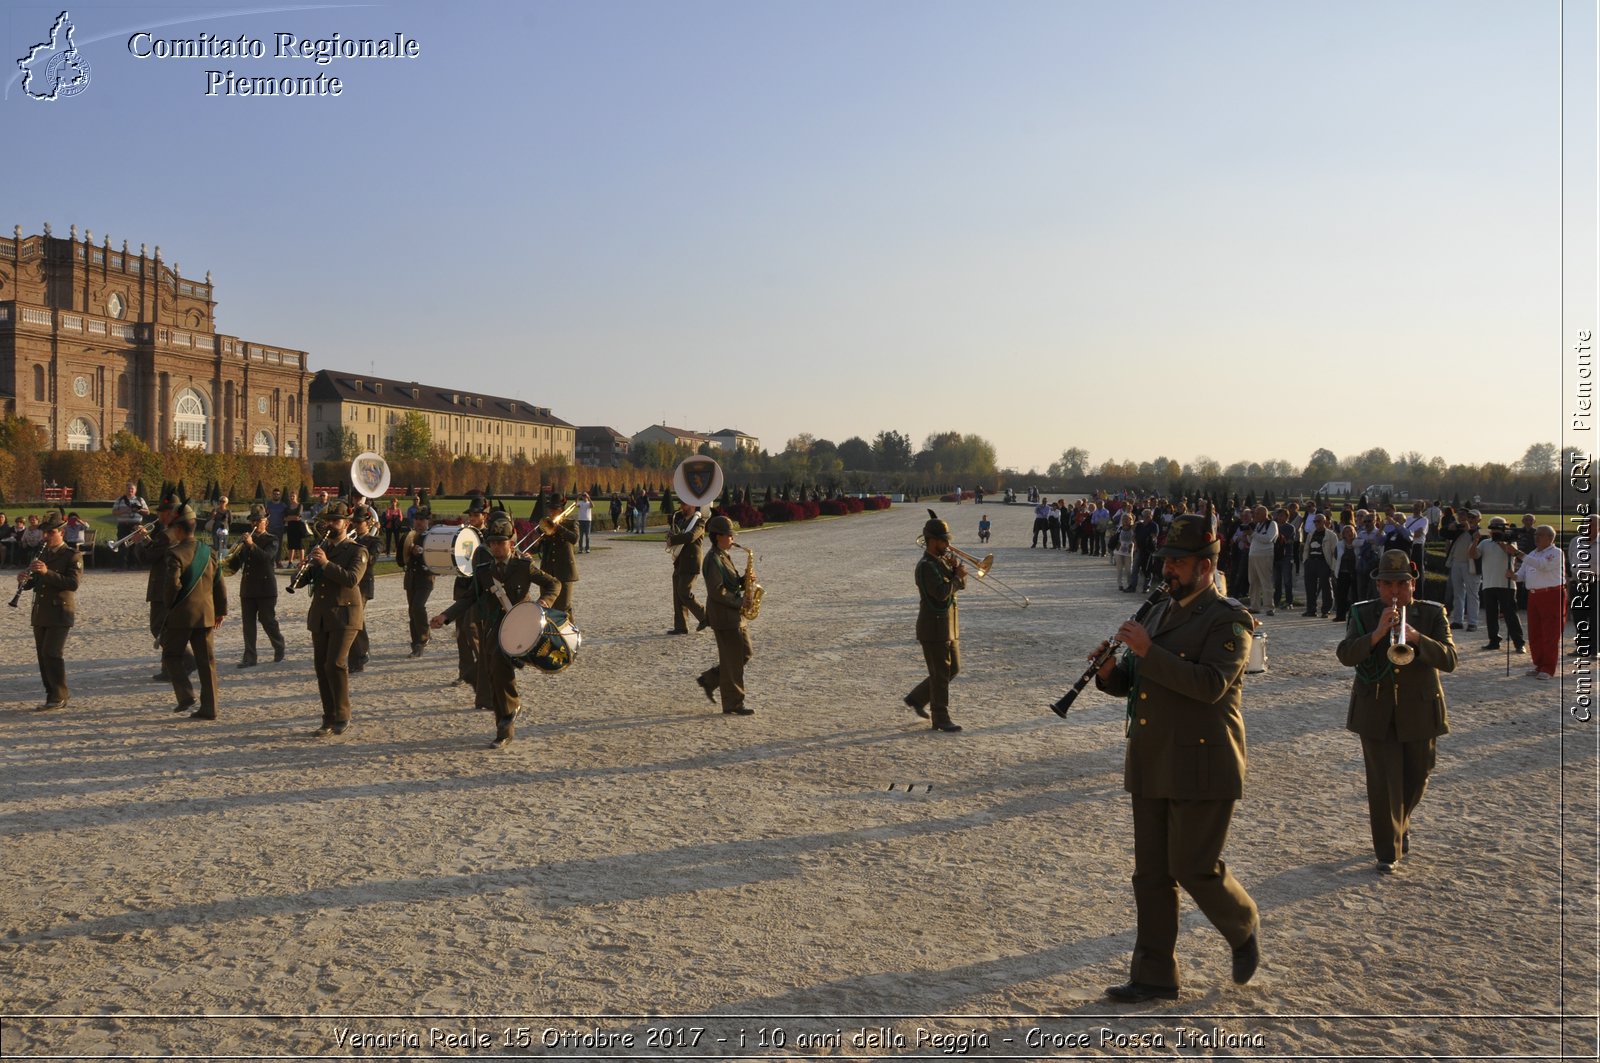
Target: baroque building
pixel 460 422
pixel 95 340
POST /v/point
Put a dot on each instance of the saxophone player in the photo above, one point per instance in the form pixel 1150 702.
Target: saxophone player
pixel 257 556
pixel 725 596
pixel 939 575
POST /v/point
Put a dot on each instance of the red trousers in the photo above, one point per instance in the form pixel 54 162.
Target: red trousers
pixel 1547 618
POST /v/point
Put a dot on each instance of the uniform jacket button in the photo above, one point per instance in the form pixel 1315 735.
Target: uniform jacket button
pixel 1143 721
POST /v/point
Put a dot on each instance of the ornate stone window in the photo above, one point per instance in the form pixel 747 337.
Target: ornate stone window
pixel 190 425
pixel 80 434
pixel 117 306
pixel 263 443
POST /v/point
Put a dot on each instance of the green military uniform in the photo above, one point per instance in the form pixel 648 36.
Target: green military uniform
pixel 196 599
pixel 258 590
pixel 1185 765
pixel 724 598
pixel 334 616
pixel 686 567
pixel 1397 710
pixel 418 584
pixel 361 648
pixel 497 676
pixel 938 631
pixel 152 552
pixel 55 597
pixel 558 557
pixel 468 637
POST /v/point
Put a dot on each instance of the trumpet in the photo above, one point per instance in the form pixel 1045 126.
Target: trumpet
pixel 235 558
pixel 144 529
pixel 546 527
pixel 1399 651
pixel 1061 706
pixel 980 568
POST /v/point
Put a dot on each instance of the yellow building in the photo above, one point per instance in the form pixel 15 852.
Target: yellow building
pixel 462 422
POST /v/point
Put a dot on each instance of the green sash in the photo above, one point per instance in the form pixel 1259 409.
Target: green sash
pixel 191 575
pixel 1373 670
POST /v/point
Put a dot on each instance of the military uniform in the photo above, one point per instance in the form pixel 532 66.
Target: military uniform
pixel 152 552
pixel 1399 713
pixel 334 617
pixel 55 597
pixel 417 581
pixel 497 677
pixel 558 558
pixel 724 597
pixel 468 637
pixel 685 570
pixel 938 632
pixel 361 649
pixel 196 601
pixel 258 596
pixel 1184 767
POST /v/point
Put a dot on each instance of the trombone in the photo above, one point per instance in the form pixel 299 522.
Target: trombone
pixel 980 568
pixel 546 527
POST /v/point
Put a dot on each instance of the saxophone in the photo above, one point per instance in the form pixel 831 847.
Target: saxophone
pixel 750 603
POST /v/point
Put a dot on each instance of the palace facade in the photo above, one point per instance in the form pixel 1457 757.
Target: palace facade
pixel 95 340
pixel 462 422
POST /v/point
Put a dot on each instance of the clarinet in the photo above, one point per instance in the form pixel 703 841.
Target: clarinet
pixel 1061 706
pixel 303 574
pixel 26 584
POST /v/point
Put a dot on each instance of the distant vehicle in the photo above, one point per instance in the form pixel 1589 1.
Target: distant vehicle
pixel 1335 487
pixel 1379 490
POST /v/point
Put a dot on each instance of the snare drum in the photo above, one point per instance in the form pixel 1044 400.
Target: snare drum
pixel 546 639
pixel 448 548
pixel 520 630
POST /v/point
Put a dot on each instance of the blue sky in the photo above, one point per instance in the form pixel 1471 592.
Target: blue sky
pixel 1224 229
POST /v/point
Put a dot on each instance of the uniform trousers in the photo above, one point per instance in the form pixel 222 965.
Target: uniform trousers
pixel 264 610
pixel 361 648
pixel 1397 775
pixel 50 645
pixel 158 623
pixel 1179 843
pixel 417 615
pixel 563 600
pixel 1547 616
pixel 944 664
pixel 683 603
pixel 467 644
pixel 497 690
pixel 176 645
pixel 330 655
pixel 733 653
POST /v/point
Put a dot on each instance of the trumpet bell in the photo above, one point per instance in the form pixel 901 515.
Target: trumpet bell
pixel 1402 654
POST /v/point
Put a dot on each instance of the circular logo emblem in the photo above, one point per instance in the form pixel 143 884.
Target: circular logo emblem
pixel 116 306
pixel 261 404
pixel 68 72
pixel 80 387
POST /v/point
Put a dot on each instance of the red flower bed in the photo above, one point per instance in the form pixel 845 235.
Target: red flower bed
pixel 743 514
pixel 779 511
pixel 875 502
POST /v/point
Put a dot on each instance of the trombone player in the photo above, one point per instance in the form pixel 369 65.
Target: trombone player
pixel 939 575
pixel 1398 646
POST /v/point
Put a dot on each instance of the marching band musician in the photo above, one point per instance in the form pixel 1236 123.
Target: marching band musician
pixel 150 548
pixel 257 555
pixel 366 523
pixel 53 576
pixel 685 568
pixel 496 566
pixel 335 614
pixel 1397 708
pixel 939 575
pixel 196 600
pixel 1185 760
pixel 557 556
pixel 724 613
pixel 418 578
pixel 468 638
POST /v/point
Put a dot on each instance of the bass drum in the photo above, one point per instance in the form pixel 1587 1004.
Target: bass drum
pixel 544 638
pixel 447 549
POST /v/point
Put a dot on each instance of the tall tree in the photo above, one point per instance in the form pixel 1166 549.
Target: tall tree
pixel 1073 464
pixel 891 451
pixel 856 453
pixel 1539 458
pixel 412 438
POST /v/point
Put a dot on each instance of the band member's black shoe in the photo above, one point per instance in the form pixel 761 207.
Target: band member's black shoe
pixel 201 714
pixel 500 743
pixel 708 688
pixel 920 710
pixel 416 651
pixel 161 677
pixel 184 706
pixel 50 705
pixel 323 732
pixel 1139 992
pixel 678 631
pixel 1246 958
pixel 277 655
pixel 702 625
pixel 340 728
pixel 740 711
pixel 248 662
pixel 947 728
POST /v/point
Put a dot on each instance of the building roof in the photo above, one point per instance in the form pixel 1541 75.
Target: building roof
pixel 333 385
pixel 587 432
pixel 731 432
pixel 683 433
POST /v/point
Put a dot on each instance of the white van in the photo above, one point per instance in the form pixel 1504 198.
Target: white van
pixel 1340 488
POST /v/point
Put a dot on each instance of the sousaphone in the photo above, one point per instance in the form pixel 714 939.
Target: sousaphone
pixel 697 481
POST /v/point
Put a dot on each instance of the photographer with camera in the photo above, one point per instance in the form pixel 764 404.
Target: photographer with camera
pixel 1463 561
pixel 1499 559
